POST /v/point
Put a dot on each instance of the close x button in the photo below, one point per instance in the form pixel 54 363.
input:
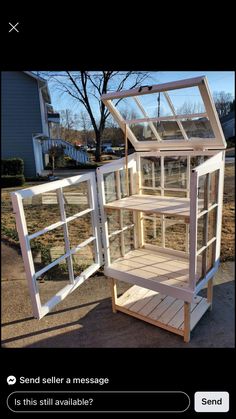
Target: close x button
pixel 13 27
pixel 211 401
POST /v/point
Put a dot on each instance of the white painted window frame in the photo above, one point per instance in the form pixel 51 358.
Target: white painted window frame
pixel 115 167
pixel 39 309
pixel 218 142
pixel 211 165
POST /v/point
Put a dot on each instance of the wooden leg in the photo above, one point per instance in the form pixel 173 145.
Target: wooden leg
pixel 210 293
pixel 113 294
pixel 187 307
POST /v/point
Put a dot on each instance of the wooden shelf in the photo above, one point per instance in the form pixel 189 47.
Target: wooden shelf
pixel 172 206
pixel 158 271
pixel 159 309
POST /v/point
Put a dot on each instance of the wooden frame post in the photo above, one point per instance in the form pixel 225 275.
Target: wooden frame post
pixel 210 293
pixel 126 161
pixel 187 310
pixel 113 286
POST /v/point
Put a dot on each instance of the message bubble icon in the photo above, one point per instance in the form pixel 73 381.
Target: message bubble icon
pixel 11 379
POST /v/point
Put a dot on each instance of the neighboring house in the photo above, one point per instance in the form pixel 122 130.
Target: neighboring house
pixel 228 125
pixel 26 103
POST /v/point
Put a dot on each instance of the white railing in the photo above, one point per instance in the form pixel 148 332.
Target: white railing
pixel 77 155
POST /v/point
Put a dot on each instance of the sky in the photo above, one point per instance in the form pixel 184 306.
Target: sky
pixel 218 81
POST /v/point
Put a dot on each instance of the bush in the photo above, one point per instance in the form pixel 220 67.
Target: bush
pixel 12 167
pixel 36 179
pixel 9 181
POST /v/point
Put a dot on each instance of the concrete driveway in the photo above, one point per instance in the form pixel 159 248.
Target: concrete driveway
pixel 85 319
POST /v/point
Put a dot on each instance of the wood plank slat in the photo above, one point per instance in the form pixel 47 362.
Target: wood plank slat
pixel 138 305
pixel 131 295
pixel 160 310
pixel 171 311
pixel 176 207
pixel 178 319
pixel 151 304
pixel 198 312
pixel 163 306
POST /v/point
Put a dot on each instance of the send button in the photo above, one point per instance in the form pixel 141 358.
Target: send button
pixel 211 401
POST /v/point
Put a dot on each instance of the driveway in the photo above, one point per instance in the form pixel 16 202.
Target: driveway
pixel 85 319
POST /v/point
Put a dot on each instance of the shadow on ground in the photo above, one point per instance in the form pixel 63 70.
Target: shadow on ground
pixel 92 324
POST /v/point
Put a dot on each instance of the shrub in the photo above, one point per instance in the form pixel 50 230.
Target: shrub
pixel 12 167
pixel 9 181
pixel 36 179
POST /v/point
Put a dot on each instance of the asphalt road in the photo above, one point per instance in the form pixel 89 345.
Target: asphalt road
pixel 85 319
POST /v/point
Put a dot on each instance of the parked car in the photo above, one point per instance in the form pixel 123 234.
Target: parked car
pixel 109 150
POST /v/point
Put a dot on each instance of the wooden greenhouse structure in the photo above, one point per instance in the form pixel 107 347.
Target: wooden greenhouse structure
pixel 154 215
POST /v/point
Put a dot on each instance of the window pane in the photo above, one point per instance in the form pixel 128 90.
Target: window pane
pixel 127 217
pixel 202 188
pixel 155 105
pixel 76 198
pixel 79 230
pixel 176 194
pixel 113 220
pixel 175 172
pixel 212 223
pixel 115 247
pixel 110 186
pixel 151 192
pixel 187 100
pixel 41 211
pixel 53 281
pixel 83 259
pixel 197 160
pixel 201 232
pixel 175 234
pixel 210 256
pixel 129 239
pixel 151 171
pixel 123 185
pixel 152 231
pixel 47 248
pixel 198 128
pixel 128 108
pixel 143 131
pixel 169 130
pixel 200 270
pixel 213 190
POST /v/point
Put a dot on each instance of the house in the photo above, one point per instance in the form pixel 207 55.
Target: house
pixel 228 125
pixel 26 112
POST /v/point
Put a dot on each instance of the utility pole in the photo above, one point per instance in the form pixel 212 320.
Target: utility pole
pixel 158 106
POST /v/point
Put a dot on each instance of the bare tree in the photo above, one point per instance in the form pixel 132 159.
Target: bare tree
pixel 86 87
pixel 67 123
pixel 190 107
pixel 86 125
pixel 129 114
pixel 223 102
pixel 55 152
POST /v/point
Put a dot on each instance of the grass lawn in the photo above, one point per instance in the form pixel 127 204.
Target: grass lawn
pixel 51 245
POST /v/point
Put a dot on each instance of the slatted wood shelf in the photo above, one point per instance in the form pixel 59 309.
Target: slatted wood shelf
pixel 163 205
pixel 159 309
pixel 155 270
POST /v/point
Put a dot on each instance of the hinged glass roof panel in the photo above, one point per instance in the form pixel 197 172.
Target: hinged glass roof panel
pixel 175 115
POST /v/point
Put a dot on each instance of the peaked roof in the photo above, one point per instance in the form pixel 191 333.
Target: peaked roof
pixel 228 117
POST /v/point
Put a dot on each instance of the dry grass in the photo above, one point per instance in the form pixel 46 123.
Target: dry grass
pixel 40 216
pixel 50 246
pixel 228 221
